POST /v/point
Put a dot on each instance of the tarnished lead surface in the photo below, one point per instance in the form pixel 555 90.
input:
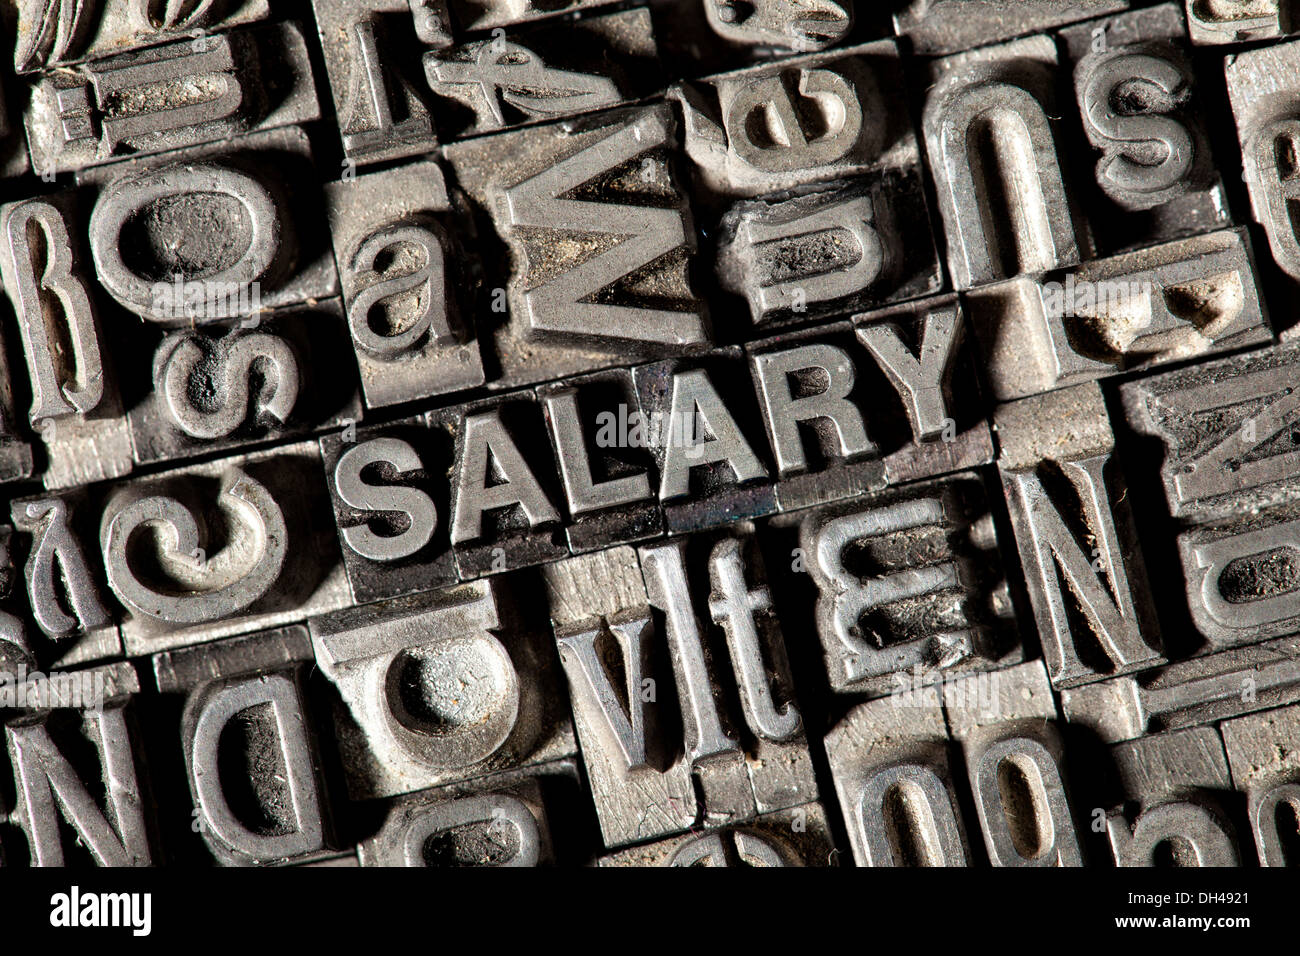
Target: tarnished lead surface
pixel 559 433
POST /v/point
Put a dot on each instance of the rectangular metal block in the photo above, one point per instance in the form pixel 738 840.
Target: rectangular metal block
pixel 440 688
pixel 65 797
pixel 170 97
pixel 775 25
pixel 746 758
pixel 390 486
pixel 950 26
pixel 505 494
pixel 1202 690
pixel 992 131
pixel 372 53
pixel 1015 760
pixel 752 758
pixel 799 836
pixel 1225 428
pixel 1214 22
pixel 1265 765
pixel 591 283
pixel 1134 201
pixel 27 691
pixel 1174 778
pixel 604 459
pixel 248 543
pixel 1186 298
pixel 909 584
pixel 881 750
pixel 55 560
pixel 186 668
pixel 1172 763
pixel 400 270
pixel 498 821
pixel 262 187
pixel 1078 544
pixel 999 701
pixel 543 72
pixel 640 783
pixel 1260 747
pixel 76 406
pixel 708 450
pixel 226 385
pixel 250 750
pixel 1241 577
pixel 1263 86
pixel 108 27
pixel 851 121
pixel 830 250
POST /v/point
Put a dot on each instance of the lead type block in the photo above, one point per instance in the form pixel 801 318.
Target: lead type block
pixel 161 226
pixel 66 594
pixel 391 490
pixel 994 152
pixel 830 250
pixel 497 822
pixel 1015 760
pixel 1263 86
pixel 372 50
pixel 799 121
pixel 400 270
pixel 744 761
pixel 250 752
pixel 799 836
pixel 439 688
pixel 225 385
pixel 1078 545
pixel 1225 428
pixel 221 548
pixel 1174 779
pixel 505 495
pixel 908 582
pixel 1212 22
pixel 59 719
pixel 171 96
pixel 1189 693
pixel 544 72
pixel 89 31
pixel 76 403
pixel 889 760
pixel 600 241
pixel 603 452
pixel 950 26
pixel 1265 765
pixel 1141 111
pixel 709 452
pixel 803 25
pixel 1181 299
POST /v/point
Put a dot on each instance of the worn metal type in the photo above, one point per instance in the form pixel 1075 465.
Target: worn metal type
pixel 563 433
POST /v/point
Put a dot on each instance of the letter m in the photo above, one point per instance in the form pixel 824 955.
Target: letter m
pixel 626 238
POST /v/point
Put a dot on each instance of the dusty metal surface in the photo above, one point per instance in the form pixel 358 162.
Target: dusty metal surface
pixel 682 433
